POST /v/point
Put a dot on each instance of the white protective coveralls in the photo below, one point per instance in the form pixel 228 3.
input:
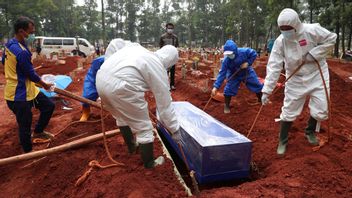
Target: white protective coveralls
pixel 114 46
pixel 309 38
pixel 122 81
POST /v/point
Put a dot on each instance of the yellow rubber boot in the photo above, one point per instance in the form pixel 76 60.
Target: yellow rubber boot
pixel 85 113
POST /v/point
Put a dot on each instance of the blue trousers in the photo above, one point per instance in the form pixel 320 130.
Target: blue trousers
pixel 89 91
pixel 23 112
pixel 251 80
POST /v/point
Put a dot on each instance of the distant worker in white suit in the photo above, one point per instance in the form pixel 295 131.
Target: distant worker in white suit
pixel 299 43
pixel 121 83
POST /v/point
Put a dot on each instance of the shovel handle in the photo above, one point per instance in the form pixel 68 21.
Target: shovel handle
pixel 76 97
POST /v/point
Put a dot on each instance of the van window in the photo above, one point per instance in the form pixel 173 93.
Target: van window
pixel 52 41
pixel 81 42
pixel 67 41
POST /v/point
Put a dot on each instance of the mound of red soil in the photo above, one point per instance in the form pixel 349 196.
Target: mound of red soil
pixel 300 173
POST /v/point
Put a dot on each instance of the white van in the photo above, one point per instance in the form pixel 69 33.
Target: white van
pixel 48 45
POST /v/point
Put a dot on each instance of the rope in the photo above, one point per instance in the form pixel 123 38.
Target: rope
pixel 206 105
pixel 327 98
pixel 104 137
pixel 323 141
pixel 255 120
pixel 191 172
pixel 276 89
pixel 248 101
pixel 95 163
pixel 64 128
pixel 74 122
pixel 225 84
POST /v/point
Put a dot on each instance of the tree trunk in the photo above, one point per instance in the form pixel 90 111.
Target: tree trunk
pixel 337 31
pixel 7 20
pixel 103 23
pixel 117 23
pixel 270 34
pixel 350 37
pixel 189 24
pixel 343 30
pixel 311 2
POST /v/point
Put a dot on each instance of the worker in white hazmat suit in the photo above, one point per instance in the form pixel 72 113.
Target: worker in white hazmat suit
pixel 299 43
pixel 121 83
pixel 89 87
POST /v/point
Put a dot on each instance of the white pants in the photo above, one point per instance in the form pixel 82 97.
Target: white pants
pixel 128 107
pixel 296 91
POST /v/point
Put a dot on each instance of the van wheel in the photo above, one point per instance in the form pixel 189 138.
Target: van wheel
pixel 78 53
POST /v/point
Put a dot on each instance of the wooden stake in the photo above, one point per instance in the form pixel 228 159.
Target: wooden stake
pixel 64 147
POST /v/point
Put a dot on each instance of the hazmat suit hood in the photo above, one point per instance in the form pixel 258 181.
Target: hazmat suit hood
pixel 230 45
pixel 168 55
pixel 114 46
pixel 289 17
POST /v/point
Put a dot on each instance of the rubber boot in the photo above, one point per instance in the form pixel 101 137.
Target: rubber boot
pixel 283 137
pixel 259 96
pixel 85 113
pixel 129 139
pixel 148 156
pixel 310 131
pixel 227 104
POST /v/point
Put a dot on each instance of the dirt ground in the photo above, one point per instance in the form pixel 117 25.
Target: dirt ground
pixel 300 173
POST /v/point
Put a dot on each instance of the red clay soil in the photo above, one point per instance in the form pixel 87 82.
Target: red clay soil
pixel 300 173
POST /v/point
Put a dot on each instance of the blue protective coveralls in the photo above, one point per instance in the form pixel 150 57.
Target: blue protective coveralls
pixel 230 66
pixel 89 87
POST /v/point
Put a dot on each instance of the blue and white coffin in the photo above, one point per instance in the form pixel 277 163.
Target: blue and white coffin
pixel 213 150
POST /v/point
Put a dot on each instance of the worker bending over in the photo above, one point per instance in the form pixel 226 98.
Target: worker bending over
pixel 121 83
pixel 237 68
pixel 299 43
pixel 89 87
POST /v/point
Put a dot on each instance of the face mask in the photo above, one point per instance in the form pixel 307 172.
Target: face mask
pixel 29 40
pixel 170 31
pixel 231 56
pixel 289 34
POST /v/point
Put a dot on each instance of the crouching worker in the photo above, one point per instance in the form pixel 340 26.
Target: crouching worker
pixel 298 44
pixel 21 94
pixel 89 87
pixel 237 68
pixel 121 83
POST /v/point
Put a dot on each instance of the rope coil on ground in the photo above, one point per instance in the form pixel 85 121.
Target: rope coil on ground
pixel 95 163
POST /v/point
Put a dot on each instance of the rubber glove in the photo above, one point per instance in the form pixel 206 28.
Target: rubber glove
pixel 265 98
pixel 244 65
pixel 213 92
pixel 176 136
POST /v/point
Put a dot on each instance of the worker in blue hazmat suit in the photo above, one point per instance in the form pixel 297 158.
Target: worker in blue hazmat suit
pixel 121 83
pixel 237 68
pixel 299 43
pixel 89 88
